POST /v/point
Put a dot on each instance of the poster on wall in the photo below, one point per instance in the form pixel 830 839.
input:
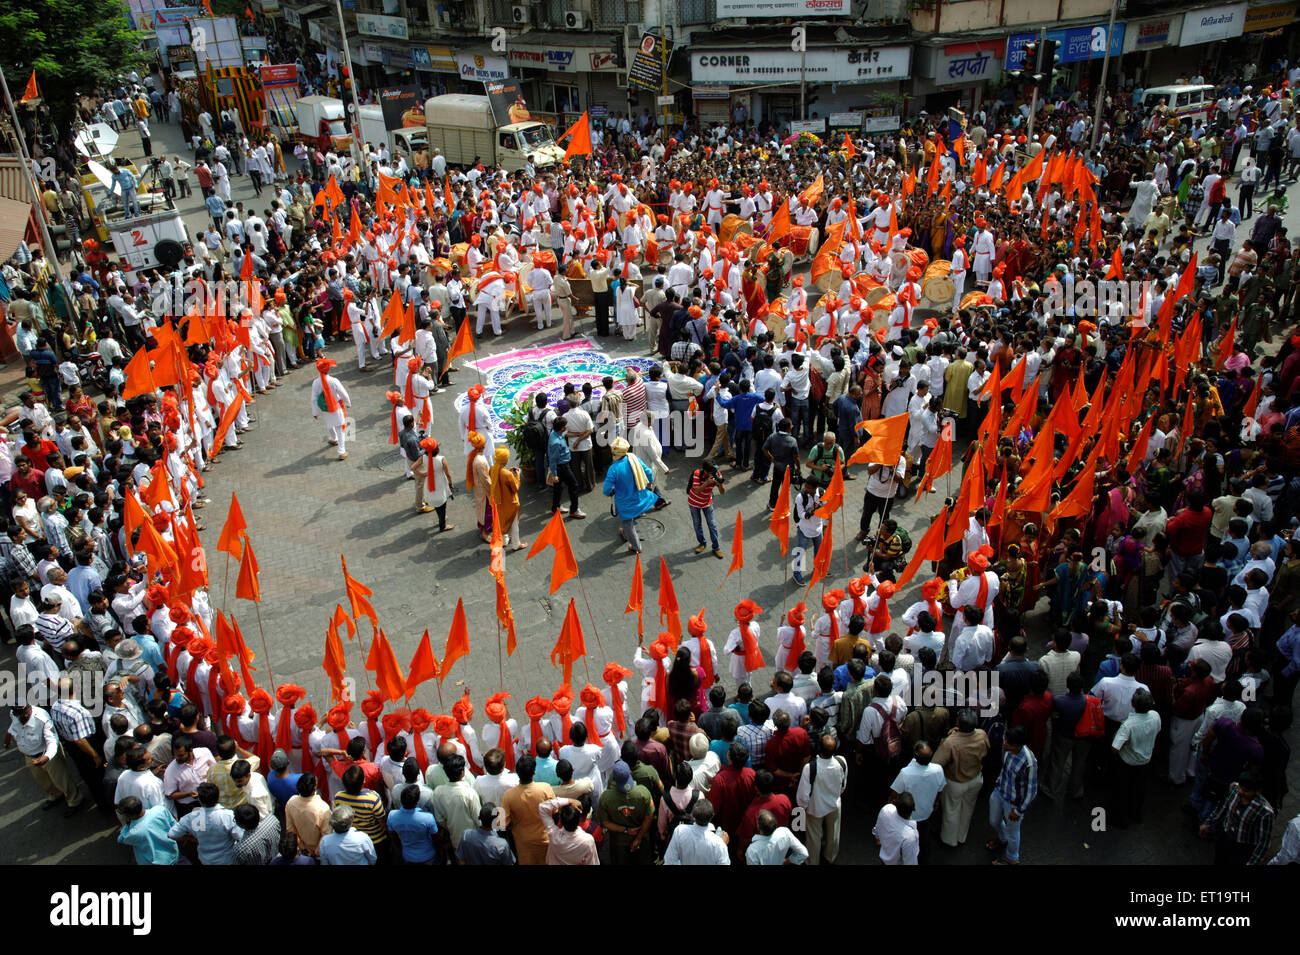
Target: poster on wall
pixel 402 106
pixel 647 68
pixel 507 102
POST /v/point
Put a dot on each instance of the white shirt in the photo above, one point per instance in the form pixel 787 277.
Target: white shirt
pixel 696 845
pixel 924 783
pixel 900 842
pixel 794 705
pixel 781 844
pixel 1116 693
pixel 822 797
pixel 873 722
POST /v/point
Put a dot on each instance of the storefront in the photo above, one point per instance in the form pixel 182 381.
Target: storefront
pixel 562 81
pixel 1080 52
pixel 956 75
pixel 1267 33
pixel 435 69
pixel 764 85
pixel 1151 52
pixel 1203 28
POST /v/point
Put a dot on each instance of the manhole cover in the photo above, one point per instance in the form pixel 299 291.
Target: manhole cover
pixel 649 528
pixel 386 461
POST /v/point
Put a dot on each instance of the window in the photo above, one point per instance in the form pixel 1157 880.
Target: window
pixel 501 11
pixel 554 11
pixel 1181 100
pixel 696 11
pixel 1195 97
pixel 616 12
pixel 507 140
pixel 566 99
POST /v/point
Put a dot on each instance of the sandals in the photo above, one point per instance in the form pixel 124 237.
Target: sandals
pixel 993 845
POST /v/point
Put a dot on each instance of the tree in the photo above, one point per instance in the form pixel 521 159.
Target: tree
pixel 75 46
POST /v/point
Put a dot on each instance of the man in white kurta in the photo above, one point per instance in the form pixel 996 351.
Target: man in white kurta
pixel 331 404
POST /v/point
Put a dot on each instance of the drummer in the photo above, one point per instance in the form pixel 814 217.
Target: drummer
pixel 665 234
pixel 880 216
pixel 713 204
pixel 835 214
pixel 748 204
pixel 984 249
pixel 763 203
pixel 957 272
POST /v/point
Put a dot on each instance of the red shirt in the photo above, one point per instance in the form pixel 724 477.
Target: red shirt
pixel 774 803
pixel 38 452
pixel 33 484
pixel 1033 713
pixel 731 793
pixel 1187 531
pixel 787 751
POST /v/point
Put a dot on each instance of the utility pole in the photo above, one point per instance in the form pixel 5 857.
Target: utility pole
pixel 1105 67
pixel 1038 68
pixel 51 253
pixel 803 76
pixel 352 83
pixel 663 66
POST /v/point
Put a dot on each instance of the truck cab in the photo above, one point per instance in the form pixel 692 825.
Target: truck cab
pixel 520 142
pixel 407 142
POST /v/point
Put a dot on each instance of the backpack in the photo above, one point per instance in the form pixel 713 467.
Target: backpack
pixel 535 436
pixel 680 814
pixel 905 540
pixel 1092 724
pixel 763 420
pixel 888 743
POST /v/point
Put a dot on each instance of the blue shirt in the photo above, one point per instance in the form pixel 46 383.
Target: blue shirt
pixel 354 847
pixel 283 788
pixel 620 484
pixel 742 406
pixel 545 772
pixel 557 452
pixel 216 207
pixel 149 649
pixel 148 838
pixel 81 581
pixel 416 828
pixel 842 680
pixel 216 832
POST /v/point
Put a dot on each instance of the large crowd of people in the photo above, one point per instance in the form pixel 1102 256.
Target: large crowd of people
pixel 1107 598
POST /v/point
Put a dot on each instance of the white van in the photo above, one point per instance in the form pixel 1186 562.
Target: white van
pixel 1185 102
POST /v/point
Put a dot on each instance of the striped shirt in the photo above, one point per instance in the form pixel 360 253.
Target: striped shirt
pixel 1018 781
pixel 634 402
pixel 368 813
pixel 53 629
pixel 697 495
pixel 1245 823
pixel 72 720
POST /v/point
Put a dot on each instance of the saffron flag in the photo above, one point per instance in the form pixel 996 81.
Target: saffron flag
pixel 232 532
pixel 1226 344
pixel 995 183
pixel 447 195
pixel 885 444
pixel 334 664
pixel 668 604
pixel 780 224
pixel 833 499
pixel 341 619
pixel 393 316
pixel 139 375
pixel 636 600
pixel 357 594
pixel 779 522
pixel 849 151
pixel 247 587
pixel 565 565
pixel 570 646
pixel 505 615
pixel 929 547
pixel 1139 451
pixel 382 662
pixel 822 561
pixel 224 425
pixel 457 641
pixel 737 546
pixel 32 92
pixel 939 463
pixel 464 343
pixel 814 192
pixel 424 666
pixel 580 144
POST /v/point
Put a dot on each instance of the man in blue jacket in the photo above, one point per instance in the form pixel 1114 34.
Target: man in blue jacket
pixel 559 470
pixel 629 482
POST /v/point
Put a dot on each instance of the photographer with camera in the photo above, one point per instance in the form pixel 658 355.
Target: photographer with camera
pixel 699 496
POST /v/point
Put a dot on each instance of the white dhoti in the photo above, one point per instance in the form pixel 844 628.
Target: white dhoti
pixel 983 266
pixel 488 303
pixel 958 287
pixel 542 308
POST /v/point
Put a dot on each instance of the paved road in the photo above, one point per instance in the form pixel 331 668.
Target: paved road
pixel 305 509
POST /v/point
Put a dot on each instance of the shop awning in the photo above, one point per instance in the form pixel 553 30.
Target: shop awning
pixel 14 217
pixel 311 9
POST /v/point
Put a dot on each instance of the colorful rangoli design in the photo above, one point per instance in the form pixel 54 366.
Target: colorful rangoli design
pixel 516 376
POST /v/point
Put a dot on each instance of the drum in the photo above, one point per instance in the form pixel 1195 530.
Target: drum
pixel 864 283
pixel 732 225
pixel 801 240
pixel 744 241
pixel 666 255
pixel 873 295
pixel 545 259
pixel 975 299
pixel 936 283
pixel 826 273
pixel 458 252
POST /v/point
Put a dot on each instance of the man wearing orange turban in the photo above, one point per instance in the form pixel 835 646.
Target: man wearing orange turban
pixel 741 649
pixel 330 399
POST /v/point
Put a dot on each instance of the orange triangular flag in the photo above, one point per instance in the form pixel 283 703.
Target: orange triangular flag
pixel 822 561
pixel 1252 404
pixel 885 444
pixel 833 499
pixel 1226 344
pixel 247 587
pixel 382 662
pixel 565 565
pixel 668 604
pixel 814 192
pixel 780 224
pixel 570 646
pixel 448 196
pixel 139 375
pixel 779 522
pixel 995 183
pixel 31 92
pixel 938 463
pixel 357 594
pixel 999 513
pixel 224 425
pixel 909 184
pixel 161 554
pixel 464 343
pixel 849 151
pixel 505 614
pixel 980 175
pixel 930 547
pixel 737 546
pixel 393 316
pixel 457 640
pixel 133 516
pixel 424 666
pixel 1139 451
pixel 334 664
pixel 1078 503
pixel 408 324
pixel 232 532
pixel 636 600
pixel 341 619
pixel 580 144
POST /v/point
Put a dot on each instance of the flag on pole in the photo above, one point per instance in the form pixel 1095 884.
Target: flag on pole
pixel 580 144
pixel 833 499
pixel 424 665
pixel 930 547
pixel 32 92
pixel 636 599
pixel 779 522
pixel 247 587
pixel 565 565
pixel 464 343
pixel 457 644
pixel 668 604
pixel 382 662
pixel 505 615
pixel 570 646
pixel 737 546
pixel 885 444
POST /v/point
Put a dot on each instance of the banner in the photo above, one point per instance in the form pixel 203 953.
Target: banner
pixel 402 107
pixel 646 72
pixel 507 103
pixel 728 9
pixel 279 75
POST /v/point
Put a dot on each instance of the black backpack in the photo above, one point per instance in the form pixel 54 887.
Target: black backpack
pixel 535 436
pixel 763 420
pixel 680 815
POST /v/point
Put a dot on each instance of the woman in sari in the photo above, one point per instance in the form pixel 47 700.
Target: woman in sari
pixel 1115 512
pixel 504 483
pixel 686 682
pixel 872 381
pixel 478 478
pixel 1014 577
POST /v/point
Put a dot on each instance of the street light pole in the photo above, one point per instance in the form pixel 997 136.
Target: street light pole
pixel 1105 67
pixel 1038 68
pixel 803 76
pixel 352 82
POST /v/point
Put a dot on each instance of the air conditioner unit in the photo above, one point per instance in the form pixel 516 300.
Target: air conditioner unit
pixel 575 20
pixel 521 15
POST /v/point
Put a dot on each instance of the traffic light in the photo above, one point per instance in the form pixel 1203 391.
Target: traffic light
pixel 620 57
pixel 1051 60
pixel 1028 64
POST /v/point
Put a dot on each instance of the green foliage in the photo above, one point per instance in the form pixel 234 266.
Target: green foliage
pixel 75 46
pixel 514 420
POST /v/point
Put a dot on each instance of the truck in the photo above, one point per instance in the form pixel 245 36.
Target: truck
pixel 463 128
pixel 150 240
pixel 321 123
pixel 405 141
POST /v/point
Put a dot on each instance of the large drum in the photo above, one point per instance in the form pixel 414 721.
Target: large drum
pixel 744 241
pixel 874 295
pixel 732 225
pixel 975 299
pixel 826 273
pixel 936 283
pixel 458 253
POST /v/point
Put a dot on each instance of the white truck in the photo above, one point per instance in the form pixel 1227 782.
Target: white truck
pixel 462 127
pixel 149 241
pixel 404 142
pixel 322 123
